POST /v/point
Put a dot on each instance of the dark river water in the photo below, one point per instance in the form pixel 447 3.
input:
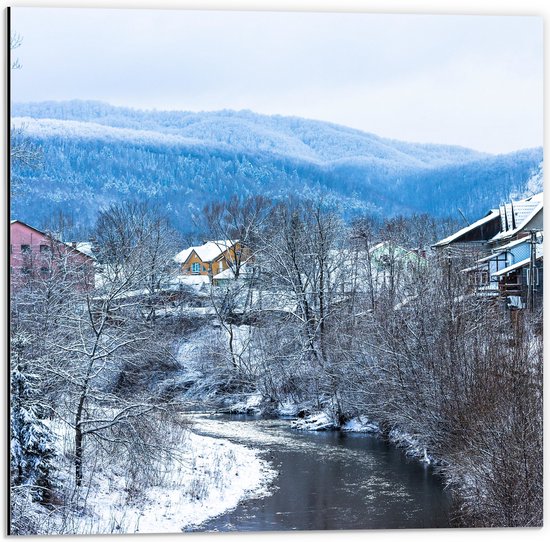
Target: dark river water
pixel 329 480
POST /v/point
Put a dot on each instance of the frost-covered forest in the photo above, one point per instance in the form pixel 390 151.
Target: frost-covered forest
pixel 93 155
pixel 330 319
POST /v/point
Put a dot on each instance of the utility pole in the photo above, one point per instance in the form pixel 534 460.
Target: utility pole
pixel 532 263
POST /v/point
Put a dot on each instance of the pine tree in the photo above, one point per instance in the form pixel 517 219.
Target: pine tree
pixel 32 443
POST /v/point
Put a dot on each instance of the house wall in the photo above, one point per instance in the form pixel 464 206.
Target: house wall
pixel 187 267
pixel 34 254
pixel 221 263
pixel 538 282
pixel 213 267
pixel 482 233
pixel 499 262
pixel 539 287
pixel 473 251
pixel 230 256
pixel 21 235
pixel 520 252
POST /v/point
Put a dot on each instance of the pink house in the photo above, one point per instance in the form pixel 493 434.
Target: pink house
pixel 34 255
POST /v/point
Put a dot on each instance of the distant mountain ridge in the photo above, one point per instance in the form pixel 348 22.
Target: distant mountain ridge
pixel 317 141
pixel 183 160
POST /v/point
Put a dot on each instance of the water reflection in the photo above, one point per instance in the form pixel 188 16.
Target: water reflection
pixel 330 480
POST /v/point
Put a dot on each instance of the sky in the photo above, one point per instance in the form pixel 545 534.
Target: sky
pixel 475 81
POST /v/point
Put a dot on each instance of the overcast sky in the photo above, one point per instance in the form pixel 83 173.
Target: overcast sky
pixel 475 81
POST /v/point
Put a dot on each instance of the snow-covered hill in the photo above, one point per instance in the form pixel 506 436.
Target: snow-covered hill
pixel 94 154
pixel 246 131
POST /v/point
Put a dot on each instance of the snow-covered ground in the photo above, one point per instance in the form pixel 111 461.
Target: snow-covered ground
pixel 210 477
pixel 360 424
pixel 203 478
pixel 323 421
pixel 249 404
pixel 319 421
pixel 198 283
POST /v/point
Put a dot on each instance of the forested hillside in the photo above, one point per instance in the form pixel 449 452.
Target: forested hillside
pixel 93 154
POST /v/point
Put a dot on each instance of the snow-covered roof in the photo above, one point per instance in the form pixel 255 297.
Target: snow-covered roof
pixel 390 246
pixel 501 250
pixel 207 252
pixel 518 211
pixel 532 207
pixel 491 215
pixel 490 257
pixel 514 217
pixel 84 246
pixel 47 234
pixel 511 268
pixel 378 246
pixel 228 273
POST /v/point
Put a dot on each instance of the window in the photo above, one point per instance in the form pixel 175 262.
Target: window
pixel 45 249
pixel 45 270
pixel 196 268
pixel 25 249
pixel 26 270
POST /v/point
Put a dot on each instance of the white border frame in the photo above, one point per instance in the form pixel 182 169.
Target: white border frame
pixel 464 7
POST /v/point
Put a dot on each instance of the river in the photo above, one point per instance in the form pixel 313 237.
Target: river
pixel 329 480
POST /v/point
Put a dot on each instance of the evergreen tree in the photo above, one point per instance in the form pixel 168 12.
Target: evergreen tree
pixel 32 443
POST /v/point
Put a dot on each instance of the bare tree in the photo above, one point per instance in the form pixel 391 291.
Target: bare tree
pixel 86 337
pixel 242 222
pixel 304 248
pixel 23 151
pixel 135 244
pixel 16 41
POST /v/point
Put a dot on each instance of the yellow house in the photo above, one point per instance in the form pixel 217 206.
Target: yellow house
pixel 211 258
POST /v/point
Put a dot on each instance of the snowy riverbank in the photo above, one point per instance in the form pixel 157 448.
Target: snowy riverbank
pixel 211 477
pixel 223 474
pixel 322 421
pixel 205 477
